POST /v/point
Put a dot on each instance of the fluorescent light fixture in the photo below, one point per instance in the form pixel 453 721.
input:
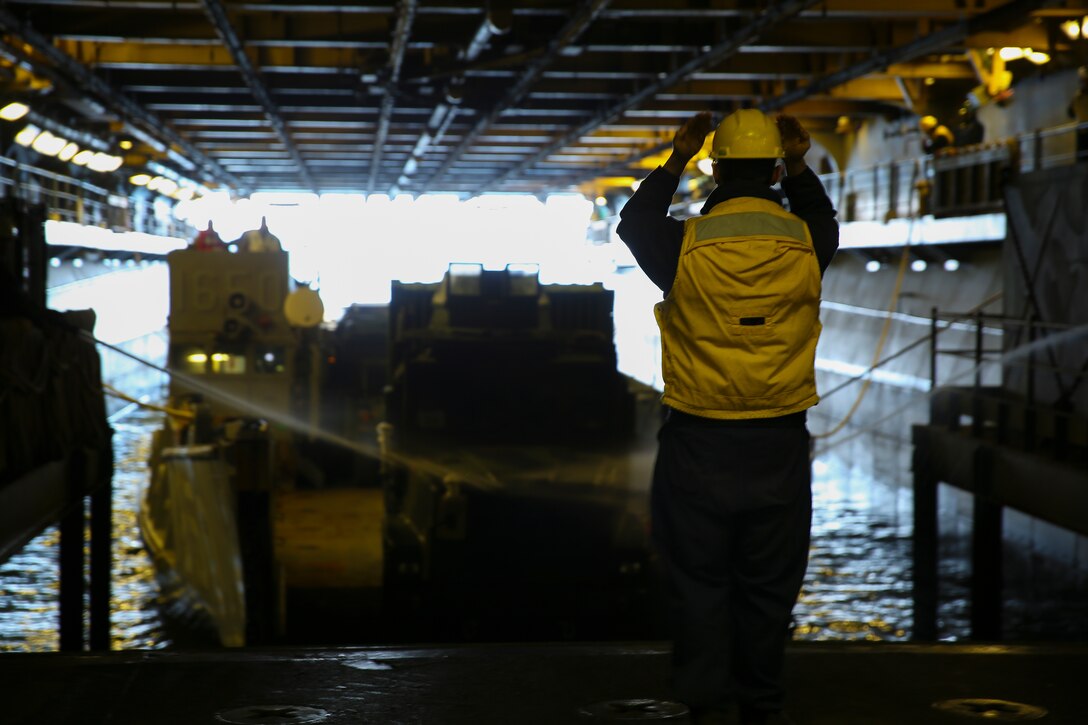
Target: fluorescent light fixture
pixel 27 135
pixel 139 179
pixel 1008 54
pixel 104 162
pixel 15 110
pixel 69 150
pixel 47 144
pixel 83 157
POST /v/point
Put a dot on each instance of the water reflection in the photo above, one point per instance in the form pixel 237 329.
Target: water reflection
pixel 30 580
pixel 858 585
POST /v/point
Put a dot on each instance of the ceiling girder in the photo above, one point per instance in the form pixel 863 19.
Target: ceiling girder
pixel 708 58
pixel 573 29
pixel 1005 14
pixel 124 107
pixel 406 12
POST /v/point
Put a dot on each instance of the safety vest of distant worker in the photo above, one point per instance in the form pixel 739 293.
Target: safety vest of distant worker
pixel 740 324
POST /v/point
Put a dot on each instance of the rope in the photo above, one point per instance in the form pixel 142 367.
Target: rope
pixel 173 412
pixel 879 346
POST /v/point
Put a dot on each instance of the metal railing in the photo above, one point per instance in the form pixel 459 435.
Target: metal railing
pixel 1012 412
pixel 956 181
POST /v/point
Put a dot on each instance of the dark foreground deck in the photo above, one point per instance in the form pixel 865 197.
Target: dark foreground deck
pixel 831 684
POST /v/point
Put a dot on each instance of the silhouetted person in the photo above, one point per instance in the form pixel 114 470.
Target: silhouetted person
pixel 969 130
pixel 935 135
pixel 731 499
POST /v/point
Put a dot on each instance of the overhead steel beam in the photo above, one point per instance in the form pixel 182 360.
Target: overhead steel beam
pixel 574 28
pixel 405 17
pixel 761 24
pixel 1009 13
pixel 494 23
pixel 218 16
pixel 123 106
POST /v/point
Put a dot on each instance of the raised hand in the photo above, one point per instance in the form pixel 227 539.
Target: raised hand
pixel 690 137
pixel 795 143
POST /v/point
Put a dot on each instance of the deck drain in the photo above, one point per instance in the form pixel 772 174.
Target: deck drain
pixel 271 715
pixel 634 710
pixel 985 709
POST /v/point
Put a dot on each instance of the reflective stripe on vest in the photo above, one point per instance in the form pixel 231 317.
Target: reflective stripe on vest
pixel 740 324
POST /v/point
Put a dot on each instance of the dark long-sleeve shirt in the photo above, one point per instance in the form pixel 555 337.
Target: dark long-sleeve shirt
pixel 655 238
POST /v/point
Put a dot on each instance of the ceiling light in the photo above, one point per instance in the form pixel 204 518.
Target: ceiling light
pixel 48 144
pixel 153 183
pixel 601 201
pixel 918 265
pixel 1071 28
pixel 83 157
pixel 126 144
pixel 1008 54
pixel 951 265
pixel 184 194
pixel 930 81
pixel 14 111
pixel 104 162
pixel 69 150
pixel 1084 27
pixel 140 179
pixel 168 186
pixel 1037 57
pixel 27 135
pixel 872 266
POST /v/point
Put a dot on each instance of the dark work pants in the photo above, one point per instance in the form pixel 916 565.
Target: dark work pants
pixel 732 507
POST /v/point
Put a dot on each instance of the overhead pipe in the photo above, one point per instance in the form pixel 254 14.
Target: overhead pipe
pixel 120 104
pixel 495 22
pixel 570 32
pixel 218 16
pixel 405 17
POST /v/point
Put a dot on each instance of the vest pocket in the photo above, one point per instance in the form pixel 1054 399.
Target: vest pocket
pixel 751 321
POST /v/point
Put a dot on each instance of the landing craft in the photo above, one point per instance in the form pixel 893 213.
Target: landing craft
pixel 464 462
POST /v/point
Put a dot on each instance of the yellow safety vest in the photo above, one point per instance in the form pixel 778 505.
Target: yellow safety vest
pixel 739 326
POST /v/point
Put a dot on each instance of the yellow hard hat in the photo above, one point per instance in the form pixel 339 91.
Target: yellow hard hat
pixel 927 123
pixel 747 134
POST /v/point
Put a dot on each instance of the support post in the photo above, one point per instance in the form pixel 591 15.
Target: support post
pixel 924 541
pixel 986 552
pixel 71 557
pixel 101 558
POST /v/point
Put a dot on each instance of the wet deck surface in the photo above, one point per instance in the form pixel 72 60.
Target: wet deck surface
pixel 830 684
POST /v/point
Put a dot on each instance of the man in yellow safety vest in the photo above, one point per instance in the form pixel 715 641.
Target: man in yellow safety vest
pixel 731 499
